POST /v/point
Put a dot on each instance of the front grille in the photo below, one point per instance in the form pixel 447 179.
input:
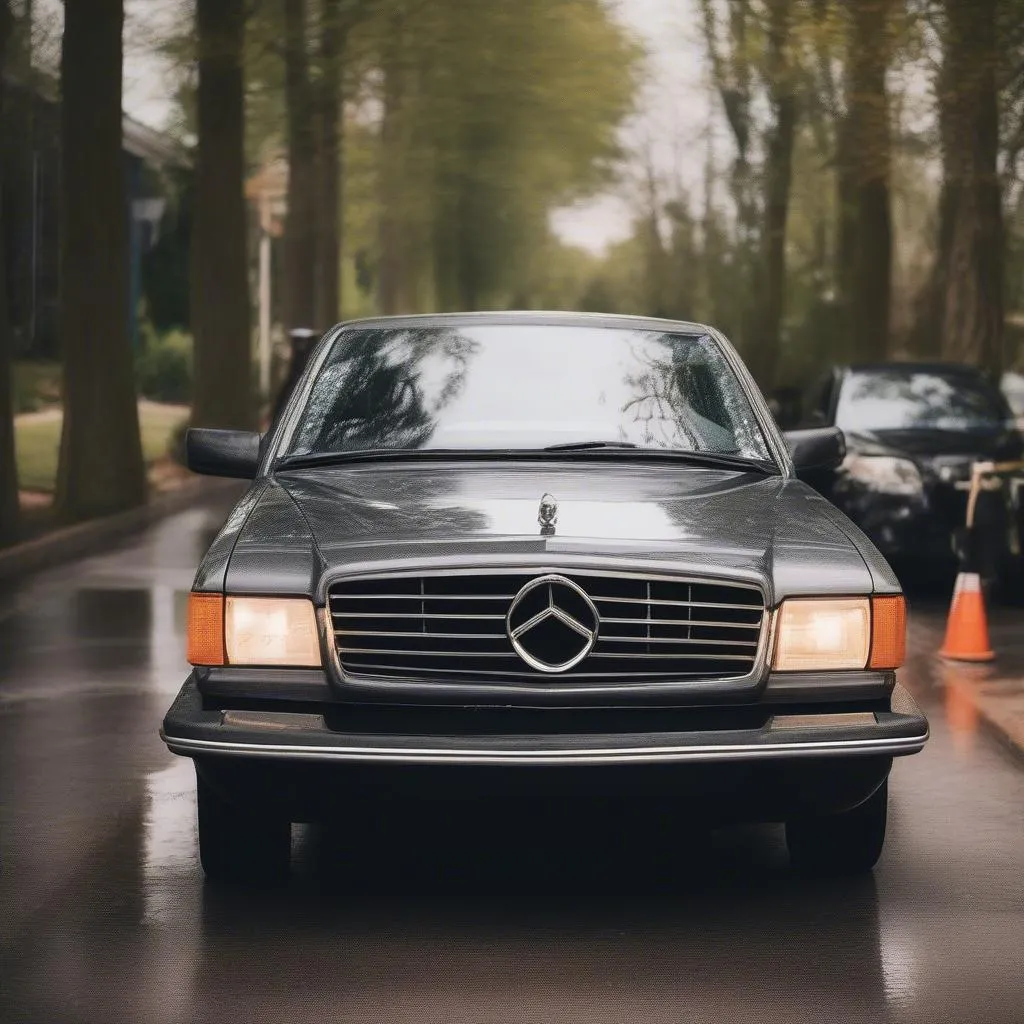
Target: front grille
pixel 452 627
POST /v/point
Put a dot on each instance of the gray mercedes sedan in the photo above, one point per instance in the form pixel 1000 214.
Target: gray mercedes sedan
pixel 576 548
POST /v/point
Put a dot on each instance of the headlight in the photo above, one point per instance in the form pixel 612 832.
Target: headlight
pixel 884 473
pixel 822 635
pixel 827 634
pixel 251 631
pixel 270 631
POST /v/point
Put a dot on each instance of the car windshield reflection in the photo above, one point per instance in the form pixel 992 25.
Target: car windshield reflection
pixel 901 399
pixel 510 387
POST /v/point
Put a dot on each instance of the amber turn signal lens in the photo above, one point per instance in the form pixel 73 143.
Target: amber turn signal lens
pixel 888 631
pixel 206 629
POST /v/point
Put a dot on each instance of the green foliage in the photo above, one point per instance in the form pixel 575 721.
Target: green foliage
pixel 163 367
pixel 492 115
pixel 36 385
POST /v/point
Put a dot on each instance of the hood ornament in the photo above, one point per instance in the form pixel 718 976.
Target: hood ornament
pixel 547 516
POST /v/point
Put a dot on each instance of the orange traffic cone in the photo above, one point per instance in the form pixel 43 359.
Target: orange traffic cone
pixel 967 626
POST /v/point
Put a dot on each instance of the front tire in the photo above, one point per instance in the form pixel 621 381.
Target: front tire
pixel 236 844
pixel 846 843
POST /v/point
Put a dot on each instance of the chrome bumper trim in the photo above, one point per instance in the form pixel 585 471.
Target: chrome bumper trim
pixel 398 755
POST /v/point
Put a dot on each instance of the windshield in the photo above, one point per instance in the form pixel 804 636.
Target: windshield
pixel 934 399
pixel 528 386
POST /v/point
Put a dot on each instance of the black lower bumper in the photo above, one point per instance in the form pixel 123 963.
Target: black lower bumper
pixel 346 735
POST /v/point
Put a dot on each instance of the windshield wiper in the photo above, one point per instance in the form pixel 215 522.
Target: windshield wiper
pixel 716 459
pixel 719 460
pixel 583 446
pixel 359 455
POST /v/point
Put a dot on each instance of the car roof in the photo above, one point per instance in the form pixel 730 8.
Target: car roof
pixel 535 317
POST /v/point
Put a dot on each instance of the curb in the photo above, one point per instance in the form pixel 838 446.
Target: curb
pixel 1002 723
pixel 82 539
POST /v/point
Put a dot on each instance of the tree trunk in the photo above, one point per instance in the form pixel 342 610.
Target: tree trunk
pixel 300 235
pixel 969 290
pixel 330 168
pixel 223 392
pixel 960 311
pixel 392 270
pixel 846 236
pixel 866 168
pixel 101 469
pixel 778 175
pixel 9 519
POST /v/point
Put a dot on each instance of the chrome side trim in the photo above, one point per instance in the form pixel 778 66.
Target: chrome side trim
pixel 397 755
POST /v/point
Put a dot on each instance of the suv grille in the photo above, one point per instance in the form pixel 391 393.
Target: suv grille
pixel 452 627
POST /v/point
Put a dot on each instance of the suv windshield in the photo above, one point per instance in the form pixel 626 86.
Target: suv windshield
pixel 525 386
pixel 916 399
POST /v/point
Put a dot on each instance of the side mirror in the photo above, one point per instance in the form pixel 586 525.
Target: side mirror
pixel 818 449
pixel 234 453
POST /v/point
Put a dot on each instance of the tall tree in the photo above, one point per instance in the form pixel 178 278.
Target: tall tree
pixel 101 468
pixel 300 238
pixel 335 21
pixel 8 469
pixel 223 391
pixel 393 271
pixel 731 72
pixel 745 60
pixel 962 311
pixel 778 174
pixel 866 284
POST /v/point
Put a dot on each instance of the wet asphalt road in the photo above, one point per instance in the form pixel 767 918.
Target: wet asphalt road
pixel 104 915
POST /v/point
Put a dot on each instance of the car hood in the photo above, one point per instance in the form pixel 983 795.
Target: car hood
pixel 303 527
pixel 924 445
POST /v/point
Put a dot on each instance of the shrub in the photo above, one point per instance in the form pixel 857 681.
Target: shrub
pixel 163 367
pixel 36 385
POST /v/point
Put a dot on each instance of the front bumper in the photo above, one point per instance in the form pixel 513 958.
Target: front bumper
pixel 348 735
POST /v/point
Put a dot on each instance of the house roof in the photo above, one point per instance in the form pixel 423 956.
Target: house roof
pixel 148 144
pixel 152 146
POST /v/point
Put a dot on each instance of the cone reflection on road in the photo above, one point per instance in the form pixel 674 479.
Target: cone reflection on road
pixel 967 626
pixel 960 683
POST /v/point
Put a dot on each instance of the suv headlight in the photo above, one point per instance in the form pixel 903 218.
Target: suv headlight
pixel 268 631
pixel 884 473
pixel 827 634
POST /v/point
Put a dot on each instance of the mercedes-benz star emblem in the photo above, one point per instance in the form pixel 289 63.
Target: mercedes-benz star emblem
pixel 552 624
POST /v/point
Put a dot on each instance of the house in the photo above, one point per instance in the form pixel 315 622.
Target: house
pixel 31 170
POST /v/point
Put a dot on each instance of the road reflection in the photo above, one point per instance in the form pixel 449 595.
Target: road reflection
pixel 432 910
pixel 959 685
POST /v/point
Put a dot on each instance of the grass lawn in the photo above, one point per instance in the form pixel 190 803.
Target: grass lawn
pixel 38 440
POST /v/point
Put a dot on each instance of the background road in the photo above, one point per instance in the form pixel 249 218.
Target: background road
pixel 415 916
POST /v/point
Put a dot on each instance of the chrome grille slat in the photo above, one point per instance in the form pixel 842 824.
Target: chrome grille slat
pixel 673 604
pixel 386 669
pixel 422 634
pixel 667 640
pixel 420 615
pixel 693 623
pixel 657 628
pixel 418 598
pixel 403 652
